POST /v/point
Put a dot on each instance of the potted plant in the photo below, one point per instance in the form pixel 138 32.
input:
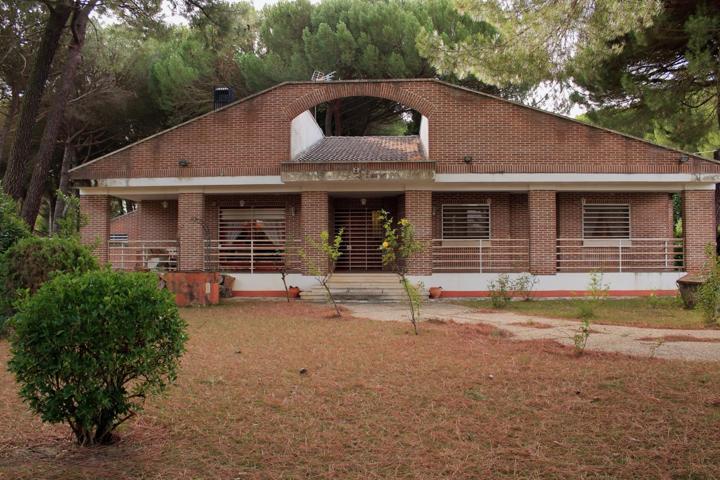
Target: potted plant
pixel 435 292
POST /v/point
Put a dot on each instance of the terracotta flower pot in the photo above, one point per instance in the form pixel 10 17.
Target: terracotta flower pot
pixel 435 292
pixel 294 292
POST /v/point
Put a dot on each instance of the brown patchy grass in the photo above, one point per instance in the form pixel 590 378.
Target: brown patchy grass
pixel 377 402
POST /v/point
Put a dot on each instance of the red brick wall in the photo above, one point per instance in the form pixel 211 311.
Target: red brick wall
pixel 418 210
pixel 650 212
pixel 543 232
pixel 314 220
pixel 97 229
pixel 158 222
pixel 191 238
pixel 650 219
pixel 508 211
pixel 127 224
pixel 509 231
pixel 252 137
pixel 698 226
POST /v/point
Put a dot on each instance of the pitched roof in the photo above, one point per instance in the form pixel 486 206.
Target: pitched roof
pixel 365 149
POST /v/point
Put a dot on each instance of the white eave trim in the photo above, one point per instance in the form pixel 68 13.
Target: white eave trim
pixel 442 182
pixel 578 181
pixel 577 177
pixel 190 181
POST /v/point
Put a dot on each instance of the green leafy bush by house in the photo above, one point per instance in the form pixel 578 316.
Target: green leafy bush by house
pixel 88 349
pixel 31 261
pixel 708 296
pixel 12 227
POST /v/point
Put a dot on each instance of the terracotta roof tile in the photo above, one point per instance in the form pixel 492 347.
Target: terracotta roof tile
pixel 365 149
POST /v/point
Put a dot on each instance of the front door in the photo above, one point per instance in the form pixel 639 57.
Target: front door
pixel 362 232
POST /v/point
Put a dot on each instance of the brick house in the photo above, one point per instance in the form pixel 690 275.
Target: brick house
pixel 490 185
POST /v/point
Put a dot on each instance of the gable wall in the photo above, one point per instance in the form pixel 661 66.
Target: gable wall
pixel 253 137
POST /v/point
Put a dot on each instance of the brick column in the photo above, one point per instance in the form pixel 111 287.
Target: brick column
pixel 96 232
pixel 190 232
pixel 543 232
pixel 698 214
pixel 314 219
pixel 418 210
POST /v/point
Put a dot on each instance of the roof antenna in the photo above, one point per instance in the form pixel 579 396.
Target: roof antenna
pixel 319 76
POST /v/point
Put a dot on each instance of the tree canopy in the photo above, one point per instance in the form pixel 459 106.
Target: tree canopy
pixel 660 81
pixel 645 67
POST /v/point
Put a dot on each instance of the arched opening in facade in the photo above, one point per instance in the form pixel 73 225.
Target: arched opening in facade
pixel 361 130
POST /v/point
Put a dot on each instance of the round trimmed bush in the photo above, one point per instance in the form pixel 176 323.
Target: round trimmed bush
pixel 87 349
pixel 31 261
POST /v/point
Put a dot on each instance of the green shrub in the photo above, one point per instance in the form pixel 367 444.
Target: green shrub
pixel 586 309
pixel 523 285
pixel 500 290
pixel 581 336
pixel 87 349
pixel 12 227
pixel 31 261
pixel 708 294
pixel 597 288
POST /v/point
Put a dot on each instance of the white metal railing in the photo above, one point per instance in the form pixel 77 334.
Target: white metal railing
pixel 143 255
pixel 619 255
pixel 252 256
pixel 477 256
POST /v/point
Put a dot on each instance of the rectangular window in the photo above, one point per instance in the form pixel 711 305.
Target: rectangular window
pixel 251 239
pixel 466 222
pixel 606 221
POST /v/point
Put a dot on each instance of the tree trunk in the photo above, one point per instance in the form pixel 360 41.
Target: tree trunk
pixel 9 119
pixel 338 113
pixel 13 182
pixel 69 155
pixel 43 158
pixel 328 119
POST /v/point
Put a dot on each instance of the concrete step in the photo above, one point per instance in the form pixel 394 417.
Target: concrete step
pixel 359 287
pixel 363 279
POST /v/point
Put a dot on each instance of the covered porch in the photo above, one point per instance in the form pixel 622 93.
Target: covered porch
pixel 465 233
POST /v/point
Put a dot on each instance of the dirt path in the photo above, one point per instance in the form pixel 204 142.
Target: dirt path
pixel 704 345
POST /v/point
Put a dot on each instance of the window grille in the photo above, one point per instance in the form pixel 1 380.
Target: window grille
pixel 251 239
pixel 119 237
pixel 466 222
pixel 606 221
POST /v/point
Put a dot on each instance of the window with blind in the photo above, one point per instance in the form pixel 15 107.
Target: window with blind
pixel 251 239
pixel 119 239
pixel 466 222
pixel 606 222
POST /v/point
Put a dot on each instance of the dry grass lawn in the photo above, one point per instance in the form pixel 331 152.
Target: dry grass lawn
pixel 458 401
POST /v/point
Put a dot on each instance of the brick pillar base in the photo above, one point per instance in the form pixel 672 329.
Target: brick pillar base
pixel 314 219
pixel 698 214
pixel 190 232
pixel 96 232
pixel 543 232
pixel 418 210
